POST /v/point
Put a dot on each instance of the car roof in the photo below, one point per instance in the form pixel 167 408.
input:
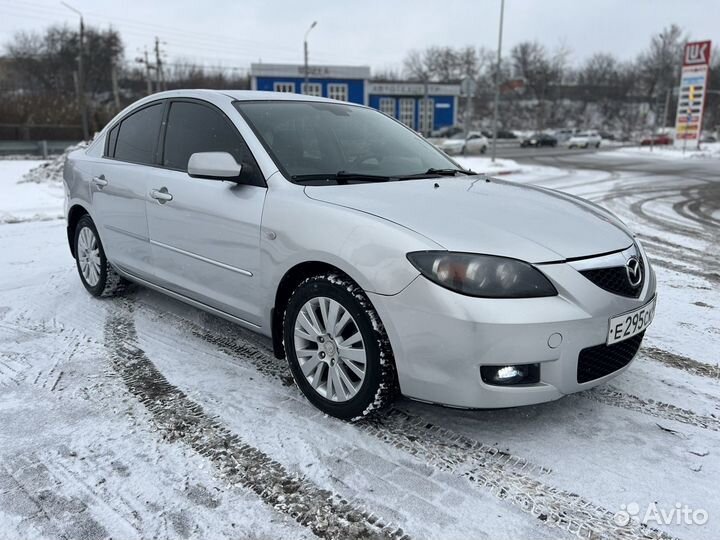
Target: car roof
pixel 241 95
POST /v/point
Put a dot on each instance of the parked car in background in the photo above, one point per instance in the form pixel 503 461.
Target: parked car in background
pixel 506 134
pixel 562 135
pixel 539 139
pixel 445 132
pixel 658 140
pixel 475 143
pixel 372 260
pixel 584 139
pixel 708 138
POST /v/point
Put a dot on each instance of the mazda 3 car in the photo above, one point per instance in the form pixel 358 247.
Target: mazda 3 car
pixel 375 263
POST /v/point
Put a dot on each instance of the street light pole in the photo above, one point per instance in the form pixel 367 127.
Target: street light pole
pixel 305 50
pixel 81 75
pixel 497 80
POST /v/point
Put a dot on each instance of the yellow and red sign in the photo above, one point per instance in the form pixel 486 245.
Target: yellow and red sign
pixel 693 87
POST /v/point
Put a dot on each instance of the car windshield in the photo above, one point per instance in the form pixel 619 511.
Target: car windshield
pixel 459 136
pixel 313 139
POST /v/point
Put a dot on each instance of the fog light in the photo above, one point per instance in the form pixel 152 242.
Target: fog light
pixel 510 375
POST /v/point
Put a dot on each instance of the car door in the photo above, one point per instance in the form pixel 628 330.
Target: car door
pixel 205 234
pixel 474 144
pixel 118 189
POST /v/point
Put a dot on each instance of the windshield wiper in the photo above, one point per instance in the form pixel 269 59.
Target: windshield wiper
pixel 448 172
pixel 341 177
pixel 434 173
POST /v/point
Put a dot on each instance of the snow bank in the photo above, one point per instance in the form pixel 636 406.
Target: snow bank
pixel 50 171
pixel 707 151
pixel 484 165
pixel 23 200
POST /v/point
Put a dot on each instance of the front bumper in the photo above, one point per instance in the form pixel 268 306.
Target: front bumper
pixel 441 338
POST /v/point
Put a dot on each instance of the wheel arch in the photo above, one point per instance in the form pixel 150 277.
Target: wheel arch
pixel 76 212
pixel 290 280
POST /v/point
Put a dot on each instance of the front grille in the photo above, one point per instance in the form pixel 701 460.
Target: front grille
pixel 600 360
pixel 615 280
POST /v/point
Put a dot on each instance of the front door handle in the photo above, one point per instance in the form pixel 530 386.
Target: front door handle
pixel 100 181
pixel 161 195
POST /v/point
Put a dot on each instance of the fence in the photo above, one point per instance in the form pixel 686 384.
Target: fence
pixel 40 132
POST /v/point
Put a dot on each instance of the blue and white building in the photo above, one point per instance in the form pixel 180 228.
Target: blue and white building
pixel 344 83
pixel 404 100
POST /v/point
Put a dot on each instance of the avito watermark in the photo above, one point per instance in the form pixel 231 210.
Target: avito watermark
pixel 679 514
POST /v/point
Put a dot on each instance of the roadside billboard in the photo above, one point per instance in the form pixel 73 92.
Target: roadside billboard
pixel 693 87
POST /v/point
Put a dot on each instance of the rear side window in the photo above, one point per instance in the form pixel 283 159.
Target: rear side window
pixel 112 139
pixel 192 128
pixel 138 135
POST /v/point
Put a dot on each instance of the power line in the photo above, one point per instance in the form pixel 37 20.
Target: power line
pixel 248 49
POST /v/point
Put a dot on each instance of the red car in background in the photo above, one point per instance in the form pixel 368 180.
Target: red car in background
pixel 658 139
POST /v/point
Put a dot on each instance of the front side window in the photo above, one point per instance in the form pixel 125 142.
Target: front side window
pixel 137 136
pixel 308 138
pixel 192 127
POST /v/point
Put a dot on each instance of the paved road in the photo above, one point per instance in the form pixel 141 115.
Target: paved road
pixel 514 151
pixel 701 169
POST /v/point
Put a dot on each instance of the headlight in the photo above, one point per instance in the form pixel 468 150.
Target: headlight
pixel 485 276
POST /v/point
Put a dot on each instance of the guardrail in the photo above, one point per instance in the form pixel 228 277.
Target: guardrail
pixel 35 148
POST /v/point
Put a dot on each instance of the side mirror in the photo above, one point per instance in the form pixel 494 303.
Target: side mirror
pixel 213 166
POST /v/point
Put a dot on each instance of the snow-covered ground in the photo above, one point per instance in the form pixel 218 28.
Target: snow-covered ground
pixel 141 417
pixel 24 201
pixel 706 151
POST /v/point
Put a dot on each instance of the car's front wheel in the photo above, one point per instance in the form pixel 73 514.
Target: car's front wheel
pixel 337 348
pixel 96 273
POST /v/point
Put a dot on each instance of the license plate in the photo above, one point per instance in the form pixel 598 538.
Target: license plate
pixel 631 323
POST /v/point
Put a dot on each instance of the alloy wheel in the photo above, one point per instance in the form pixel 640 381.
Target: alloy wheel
pixel 330 349
pixel 88 253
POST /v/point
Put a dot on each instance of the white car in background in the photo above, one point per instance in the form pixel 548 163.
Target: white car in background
pixel 584 139
pixel 475 143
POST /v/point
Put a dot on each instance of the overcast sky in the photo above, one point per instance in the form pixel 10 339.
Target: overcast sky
pixel 370 32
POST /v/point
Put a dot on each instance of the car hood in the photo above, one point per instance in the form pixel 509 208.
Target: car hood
pixel 479 215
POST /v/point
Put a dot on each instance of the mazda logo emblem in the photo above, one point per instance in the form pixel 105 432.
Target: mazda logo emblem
pixel 634 271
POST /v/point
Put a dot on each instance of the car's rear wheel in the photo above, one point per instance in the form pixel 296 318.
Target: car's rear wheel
pixel 96 273
pixel 337 348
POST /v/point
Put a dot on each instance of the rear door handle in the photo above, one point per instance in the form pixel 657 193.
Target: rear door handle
pixel 100 181
pixel 161 195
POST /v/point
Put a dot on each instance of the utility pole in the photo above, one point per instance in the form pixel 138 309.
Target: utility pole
pixel 159 75
pixel 426 110
pixel 497 81
pixel 81 75
pixel 305 51
pixel 667 108
pixel 116 90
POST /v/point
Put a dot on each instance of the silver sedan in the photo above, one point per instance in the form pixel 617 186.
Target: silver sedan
pixel 375 262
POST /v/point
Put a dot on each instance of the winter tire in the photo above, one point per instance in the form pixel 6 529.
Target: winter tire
pixel 337 348
pixel 96 273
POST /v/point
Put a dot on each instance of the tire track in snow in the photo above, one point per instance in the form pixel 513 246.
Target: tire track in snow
pixel 609 395
pixel 505 476
pixel 231 341
pixel 684 363
pixel 181 419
